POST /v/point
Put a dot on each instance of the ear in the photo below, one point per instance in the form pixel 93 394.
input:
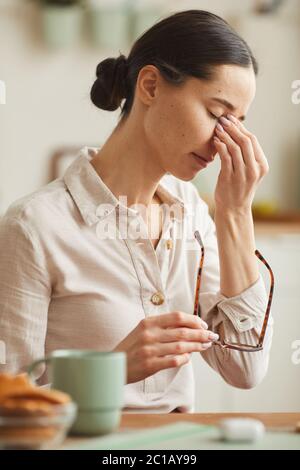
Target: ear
pixel 147 85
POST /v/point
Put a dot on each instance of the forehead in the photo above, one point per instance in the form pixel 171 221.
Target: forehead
pixel 235 84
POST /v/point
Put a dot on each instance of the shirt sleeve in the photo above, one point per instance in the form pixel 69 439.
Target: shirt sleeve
pixel 235 319
pixel 24 296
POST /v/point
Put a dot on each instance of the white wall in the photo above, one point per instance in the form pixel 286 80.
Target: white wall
pixel 48 96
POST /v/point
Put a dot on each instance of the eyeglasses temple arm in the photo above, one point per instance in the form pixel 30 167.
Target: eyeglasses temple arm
pixel 267 314
pixel 196 303
pixel 259 255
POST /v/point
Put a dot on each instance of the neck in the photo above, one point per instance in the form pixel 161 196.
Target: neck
pixel 127 164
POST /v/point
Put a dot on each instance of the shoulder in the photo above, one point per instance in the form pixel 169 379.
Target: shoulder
pixel 40 208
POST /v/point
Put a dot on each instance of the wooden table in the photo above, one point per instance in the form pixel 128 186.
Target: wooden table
pixel 280 426
pixel 276 228
pixel 270 420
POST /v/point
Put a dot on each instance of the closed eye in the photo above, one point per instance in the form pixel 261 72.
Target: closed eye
pixel 243 119
pixel 213 116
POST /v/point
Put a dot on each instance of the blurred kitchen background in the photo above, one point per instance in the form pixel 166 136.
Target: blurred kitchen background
pixel 49 50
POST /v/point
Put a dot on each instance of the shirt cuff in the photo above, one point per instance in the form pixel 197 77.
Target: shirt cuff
pixel 247 309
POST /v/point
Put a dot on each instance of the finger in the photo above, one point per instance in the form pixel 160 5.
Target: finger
pixel 176 319
pixel 174 348
pixel 233 149
pixel 260 157
pixel 176 360
pixel 226 160
pixel 258 151
pixel 241 139
pixel 160 363
pixel 186 334
pixel 239 124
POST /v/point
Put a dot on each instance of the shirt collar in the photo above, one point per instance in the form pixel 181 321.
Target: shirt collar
pixel 94 199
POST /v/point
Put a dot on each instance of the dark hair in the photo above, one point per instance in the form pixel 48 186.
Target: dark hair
pixel 186 44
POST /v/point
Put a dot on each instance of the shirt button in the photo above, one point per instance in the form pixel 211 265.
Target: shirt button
pixel 169 244
pixel 157 298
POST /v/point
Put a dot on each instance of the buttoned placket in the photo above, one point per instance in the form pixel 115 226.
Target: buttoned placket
pixel 151 264
pixel 152 268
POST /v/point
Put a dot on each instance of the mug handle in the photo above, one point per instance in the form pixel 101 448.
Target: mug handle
pixel 33 365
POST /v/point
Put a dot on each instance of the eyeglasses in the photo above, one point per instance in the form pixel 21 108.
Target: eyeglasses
pixel 226 344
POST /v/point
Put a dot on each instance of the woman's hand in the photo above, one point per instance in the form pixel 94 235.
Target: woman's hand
pixel 163 341
pixel 243 165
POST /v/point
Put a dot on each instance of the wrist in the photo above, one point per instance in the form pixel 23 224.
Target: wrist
pixel 238 212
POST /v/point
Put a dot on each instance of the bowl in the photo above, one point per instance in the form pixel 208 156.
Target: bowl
pixel 37 432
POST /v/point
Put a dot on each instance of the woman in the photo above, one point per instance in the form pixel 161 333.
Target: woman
pixel 105 257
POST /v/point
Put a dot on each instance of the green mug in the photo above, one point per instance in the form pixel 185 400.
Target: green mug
pixel 95 380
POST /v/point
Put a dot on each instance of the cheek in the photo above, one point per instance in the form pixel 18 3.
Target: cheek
pixel 174 128
pixel 167 128
pixel 203 125
pixel 198 125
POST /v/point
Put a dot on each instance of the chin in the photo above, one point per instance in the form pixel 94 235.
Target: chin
pixel 187 178
pixel 184 176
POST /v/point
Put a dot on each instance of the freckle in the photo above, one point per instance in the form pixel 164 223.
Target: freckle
pixel 182 135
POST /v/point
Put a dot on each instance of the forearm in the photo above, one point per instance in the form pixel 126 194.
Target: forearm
pixel 236 246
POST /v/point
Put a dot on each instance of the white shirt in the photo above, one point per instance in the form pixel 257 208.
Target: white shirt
pixel 63 285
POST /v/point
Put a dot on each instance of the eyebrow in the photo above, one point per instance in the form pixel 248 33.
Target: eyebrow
pixel 228 105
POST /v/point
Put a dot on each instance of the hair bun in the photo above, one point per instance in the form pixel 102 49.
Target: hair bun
pixel 109 89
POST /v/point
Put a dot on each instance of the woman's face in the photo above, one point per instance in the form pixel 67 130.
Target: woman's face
pixel 181 120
